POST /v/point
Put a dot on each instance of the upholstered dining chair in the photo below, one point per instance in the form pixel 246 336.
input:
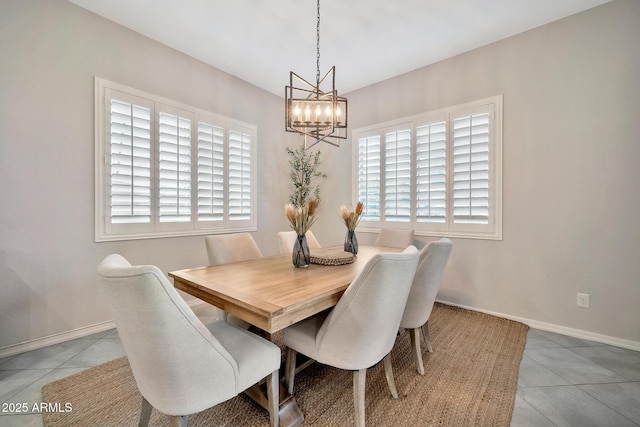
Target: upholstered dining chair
pixel 396 238
pixel 433 260
pixel 288 238
pixel 181 366
pixel 225 248
pixel 360 330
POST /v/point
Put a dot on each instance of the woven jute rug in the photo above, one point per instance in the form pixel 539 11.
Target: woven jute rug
pixel 470 380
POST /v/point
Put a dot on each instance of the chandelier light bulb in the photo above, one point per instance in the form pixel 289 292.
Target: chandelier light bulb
pixel 307 114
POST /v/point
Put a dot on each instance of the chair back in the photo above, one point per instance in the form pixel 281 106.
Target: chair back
pixel 433 260
pixel 362 327
pixel 174 358
pixel 288 238
pixel 225 248
pixel 394 238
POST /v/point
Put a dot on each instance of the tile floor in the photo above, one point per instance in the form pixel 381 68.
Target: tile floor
pixel 563 381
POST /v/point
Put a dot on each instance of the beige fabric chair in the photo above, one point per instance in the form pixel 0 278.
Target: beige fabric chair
pixel 288 238
pixel 433 260
pixel 181 366
pixel 226 248
pixel 394 238
pixel 361 329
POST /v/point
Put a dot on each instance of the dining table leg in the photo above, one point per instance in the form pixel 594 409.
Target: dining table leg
pixel 290 413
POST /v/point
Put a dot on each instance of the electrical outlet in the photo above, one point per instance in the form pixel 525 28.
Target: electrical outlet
pixel 583 300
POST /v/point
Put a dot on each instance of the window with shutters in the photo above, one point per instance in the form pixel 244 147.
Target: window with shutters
pixel 168 169
pixel 439 173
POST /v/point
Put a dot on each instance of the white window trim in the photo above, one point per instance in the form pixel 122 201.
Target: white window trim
pixel 491 231
pixel 103 230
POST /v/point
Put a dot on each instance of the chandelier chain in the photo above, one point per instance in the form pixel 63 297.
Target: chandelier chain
pixel 318 46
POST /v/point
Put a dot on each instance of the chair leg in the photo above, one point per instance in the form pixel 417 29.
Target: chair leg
pixel 290 369
pixel 359 380
pixel 426 336
pixel 417 353
pixel 273 387
pixel 145 413
pixel 178 421
pixel 388 372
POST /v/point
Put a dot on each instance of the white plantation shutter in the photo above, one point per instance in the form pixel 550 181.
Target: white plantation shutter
pixel 397 176
pixel 174 155
pixel 129 162
pixel 368 177
pixel 239 176
pixel 471 169
pixel 168 169
pixel 431 172
pixel 441 171
pixel 211 173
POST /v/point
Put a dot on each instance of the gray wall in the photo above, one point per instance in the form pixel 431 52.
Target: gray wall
pixel 571 141
pixel 571 176
pixel 50 52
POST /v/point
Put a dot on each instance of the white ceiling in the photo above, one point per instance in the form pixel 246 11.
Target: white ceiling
pixel 260 41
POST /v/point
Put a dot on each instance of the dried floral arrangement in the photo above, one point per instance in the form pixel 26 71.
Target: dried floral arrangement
pixel 351 217
pixel 301 218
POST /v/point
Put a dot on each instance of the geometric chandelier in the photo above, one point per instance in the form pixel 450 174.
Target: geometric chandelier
pixel 316 111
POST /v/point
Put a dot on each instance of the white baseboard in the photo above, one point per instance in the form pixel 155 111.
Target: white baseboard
pixel 37 343
pixel 12 350
pixel 562 330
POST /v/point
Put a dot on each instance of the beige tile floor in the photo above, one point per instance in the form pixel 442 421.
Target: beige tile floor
pixel 563 381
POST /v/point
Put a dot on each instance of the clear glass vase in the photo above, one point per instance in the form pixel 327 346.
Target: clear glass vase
pixel 351 242
pixel 301 255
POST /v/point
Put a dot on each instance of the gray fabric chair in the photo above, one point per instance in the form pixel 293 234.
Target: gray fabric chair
pixel 394 238
pixel 181 366
pixel 433 260
pixel 288 238
pixel 361 329
pixel 226 248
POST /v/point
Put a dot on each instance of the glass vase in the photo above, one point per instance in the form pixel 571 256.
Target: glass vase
pixel 351 242
pixel 301 255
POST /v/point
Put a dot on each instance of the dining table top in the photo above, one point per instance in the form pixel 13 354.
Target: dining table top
pixel 269 292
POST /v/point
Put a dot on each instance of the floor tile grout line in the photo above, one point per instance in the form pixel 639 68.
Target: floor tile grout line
pixel 50 370
pixel 31 383
pixel 607 368
pixel 605 404
pixel 585 358
pixel 538 411
pixel 579 388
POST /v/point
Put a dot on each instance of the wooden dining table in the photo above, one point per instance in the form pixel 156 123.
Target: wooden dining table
pixel 271 294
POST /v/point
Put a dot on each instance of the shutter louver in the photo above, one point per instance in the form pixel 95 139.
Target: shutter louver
pixel 174 136
pixel 369 162
pixel 431 185
pixel 210 172
pixel 471 169
pixel 130 163
pixel 397 181
pixel 239 176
